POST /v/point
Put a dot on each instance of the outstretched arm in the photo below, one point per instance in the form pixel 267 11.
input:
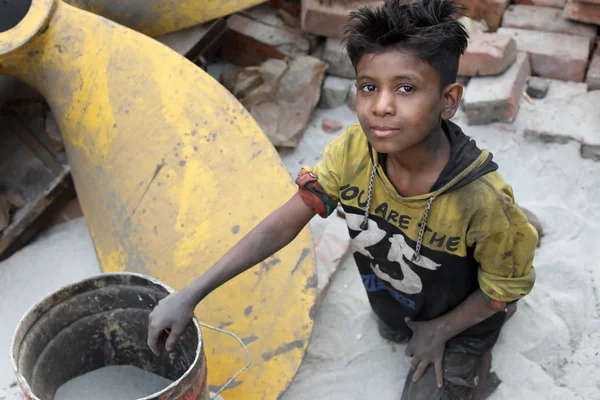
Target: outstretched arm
pixel 276 231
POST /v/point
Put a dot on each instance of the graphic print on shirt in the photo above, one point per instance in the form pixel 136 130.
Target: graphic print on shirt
pixel 399 253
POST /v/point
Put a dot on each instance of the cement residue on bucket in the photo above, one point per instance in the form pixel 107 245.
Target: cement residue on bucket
pixel 119 382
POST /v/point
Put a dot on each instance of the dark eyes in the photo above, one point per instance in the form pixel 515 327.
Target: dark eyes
pixel 402 88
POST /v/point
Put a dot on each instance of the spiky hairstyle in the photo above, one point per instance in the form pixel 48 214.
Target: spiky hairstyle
pixel 427 28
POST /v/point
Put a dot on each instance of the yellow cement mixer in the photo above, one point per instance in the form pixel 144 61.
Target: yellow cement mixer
pixel 171 171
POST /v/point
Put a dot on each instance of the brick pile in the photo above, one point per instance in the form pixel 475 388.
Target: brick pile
pixel 559 38
pixel 510 41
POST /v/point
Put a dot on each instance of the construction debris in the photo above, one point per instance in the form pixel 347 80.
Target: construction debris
pixel 537 88
pixel 544 3
pixel 543 48
pixel 490 11
pixel 327 18
pixel 33 183
pixel 488 54
pixel 588 11
pixel 546 20
pixel 281 96
pixel 336 57
pixel 331 125
pixel 335 92
pixel 249 42
pixel 497 98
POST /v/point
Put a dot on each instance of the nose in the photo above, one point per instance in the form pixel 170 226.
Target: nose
pixel 384 104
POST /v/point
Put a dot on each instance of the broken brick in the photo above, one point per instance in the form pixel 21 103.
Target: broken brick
pixel 334 92
pixel 558 4
pixel 544 3
pixel 593 75
pixel 488 54
pixel 327 18
pixel 336 57
pixel 249 42
pixel 471 8
pixel 545 19
pixel 492 11
pixel 537 87
pixel 496 98
pixel 472 26
pixel 583 12
pixel 543 48
pixel 331 125
pixel 281 95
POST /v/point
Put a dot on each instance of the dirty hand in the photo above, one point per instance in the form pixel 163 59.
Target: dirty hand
pixel 426 347
pixel 172 314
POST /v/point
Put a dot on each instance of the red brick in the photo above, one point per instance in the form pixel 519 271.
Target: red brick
pixel 583 12
pixel 488 54
pixel 545 19
pixel 329 20
pixel 553 55
pixel 544 3
pixel 331 125
pixel 488 10
pixel 496 98
pixel 472 8
pixel 492 11
pixel 593 75
pixel 336 57
pixel 249 42
pixel 291 6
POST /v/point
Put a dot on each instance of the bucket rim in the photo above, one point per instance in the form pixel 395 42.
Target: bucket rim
pixel 24 384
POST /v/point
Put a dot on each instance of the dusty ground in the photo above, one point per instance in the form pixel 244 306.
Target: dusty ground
pixel 549 350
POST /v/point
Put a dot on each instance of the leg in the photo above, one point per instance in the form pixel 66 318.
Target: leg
pixel 465 375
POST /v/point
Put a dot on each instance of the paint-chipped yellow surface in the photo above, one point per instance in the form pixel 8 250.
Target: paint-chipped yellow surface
pixel 157 17
pixel 171 172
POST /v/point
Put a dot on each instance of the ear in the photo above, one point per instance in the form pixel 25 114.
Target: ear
pixel 451 99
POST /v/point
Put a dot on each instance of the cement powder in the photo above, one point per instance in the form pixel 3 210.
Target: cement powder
pixel 121 382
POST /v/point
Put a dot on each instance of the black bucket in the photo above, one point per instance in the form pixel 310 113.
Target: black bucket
pixel 100 322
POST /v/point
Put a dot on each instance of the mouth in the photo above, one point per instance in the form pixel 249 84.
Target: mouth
pixel 384 131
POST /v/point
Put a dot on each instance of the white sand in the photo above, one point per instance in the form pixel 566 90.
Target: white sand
pixel 119 382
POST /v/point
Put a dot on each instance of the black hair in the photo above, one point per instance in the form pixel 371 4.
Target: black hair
pixel 427 28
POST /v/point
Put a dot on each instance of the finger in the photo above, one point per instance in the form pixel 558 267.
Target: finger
pixel 439 373
pixel 154 332
pixel 173 338
pixel 420 371
pixel 414 364
pixel 408 351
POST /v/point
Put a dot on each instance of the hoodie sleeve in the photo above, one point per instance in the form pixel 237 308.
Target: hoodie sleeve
pixel 504 243
pixel 319 186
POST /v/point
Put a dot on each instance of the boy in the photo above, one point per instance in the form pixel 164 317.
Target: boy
pixel 442 249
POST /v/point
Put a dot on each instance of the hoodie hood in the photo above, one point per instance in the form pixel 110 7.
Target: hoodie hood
pixel 465 165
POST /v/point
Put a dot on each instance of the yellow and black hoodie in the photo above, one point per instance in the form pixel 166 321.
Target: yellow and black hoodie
pixel 422 256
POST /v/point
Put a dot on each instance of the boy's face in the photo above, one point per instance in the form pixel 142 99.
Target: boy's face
pixel 398 101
